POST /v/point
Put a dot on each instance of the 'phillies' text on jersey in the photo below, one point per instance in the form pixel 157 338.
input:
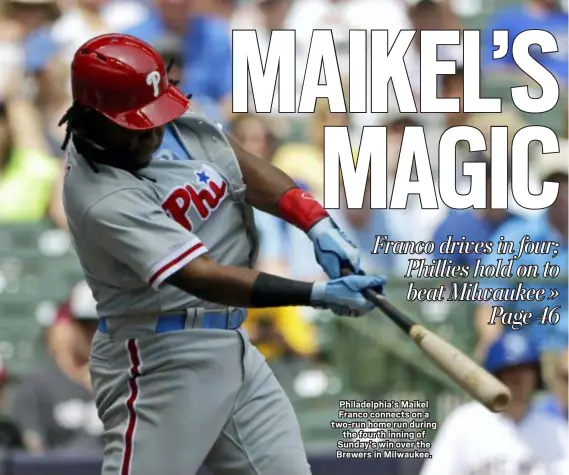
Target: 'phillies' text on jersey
pixel 204 198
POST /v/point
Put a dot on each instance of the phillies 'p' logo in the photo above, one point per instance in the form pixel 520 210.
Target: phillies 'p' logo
pixel 153 80
pixel 204 200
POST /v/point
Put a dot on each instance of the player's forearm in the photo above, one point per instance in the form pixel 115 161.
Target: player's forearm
pixel 274 192
pixel 240 287
pixel 265 183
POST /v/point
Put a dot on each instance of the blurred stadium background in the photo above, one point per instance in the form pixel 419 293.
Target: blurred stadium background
pixel 318 359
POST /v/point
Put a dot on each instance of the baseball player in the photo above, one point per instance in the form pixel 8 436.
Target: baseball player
pixel 159 203
pixel 519 441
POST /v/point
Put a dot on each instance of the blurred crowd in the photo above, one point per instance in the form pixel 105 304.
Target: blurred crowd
pixel 37 41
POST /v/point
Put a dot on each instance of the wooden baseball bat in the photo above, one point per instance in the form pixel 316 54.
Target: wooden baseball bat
pixel 470 376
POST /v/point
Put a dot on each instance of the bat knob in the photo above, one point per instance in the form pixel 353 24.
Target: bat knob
pixel 501 401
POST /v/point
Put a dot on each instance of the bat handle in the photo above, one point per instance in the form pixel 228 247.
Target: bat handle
pixel 381 302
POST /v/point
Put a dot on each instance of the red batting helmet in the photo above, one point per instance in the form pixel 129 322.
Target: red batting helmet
pixel 125 79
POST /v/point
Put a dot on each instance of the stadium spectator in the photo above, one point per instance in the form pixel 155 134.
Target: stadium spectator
pixel 264 16
pixel 24 17
pixel 205 45
pixel 18 19
pixel 28 174
pixel 520 440
pixel 450 86
pixel 54 406
pixel 545 15
pixel 49 80
pixel 170 49
pixel 33 14
pixel 60 335
pixel 509 117
pixel 411 223
pixel 86 19
pixel 11 55
pixel 475 225
pixel 49 49
pixel 10 436
pixel 555 404
pixel 429 15
pixel 257 137
pixel 168 19
pixel 207 73
pixel 341 16
pixel 549 225
pixel 281 333
pixel 362 225
pixel 303 160
pixel 425 220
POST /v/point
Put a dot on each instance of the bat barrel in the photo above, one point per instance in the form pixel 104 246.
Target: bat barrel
pixel 475 380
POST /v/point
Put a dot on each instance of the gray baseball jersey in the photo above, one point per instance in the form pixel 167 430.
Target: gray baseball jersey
pixel 131 234
pixel 173 401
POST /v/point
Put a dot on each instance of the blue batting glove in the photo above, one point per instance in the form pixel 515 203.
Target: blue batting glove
pixel 344 296
pixel 333 249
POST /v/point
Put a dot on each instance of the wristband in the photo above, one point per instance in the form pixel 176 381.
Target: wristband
pixel 300 209
pixel 273 291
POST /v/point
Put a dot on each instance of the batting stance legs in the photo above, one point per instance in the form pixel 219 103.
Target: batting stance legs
pixel 174 401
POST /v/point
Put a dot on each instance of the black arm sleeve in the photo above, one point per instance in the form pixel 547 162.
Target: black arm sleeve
pixel 273 291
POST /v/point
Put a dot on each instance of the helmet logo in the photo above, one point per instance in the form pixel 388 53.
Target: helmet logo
pixel 153 80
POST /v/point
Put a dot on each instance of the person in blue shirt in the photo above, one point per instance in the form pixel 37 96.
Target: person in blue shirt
pixel 205 45
pixel 166 17
pixel 548 225
pixel 255 135
pixel 532 15
pixel 475 225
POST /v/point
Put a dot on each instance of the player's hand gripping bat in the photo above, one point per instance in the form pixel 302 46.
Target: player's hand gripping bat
pixel 475 380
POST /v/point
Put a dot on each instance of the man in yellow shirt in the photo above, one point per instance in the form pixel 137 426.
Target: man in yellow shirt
pixel 278 332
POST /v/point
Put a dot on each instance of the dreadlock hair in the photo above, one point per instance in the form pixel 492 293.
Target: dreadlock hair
pixel 73 116
pixel 77 116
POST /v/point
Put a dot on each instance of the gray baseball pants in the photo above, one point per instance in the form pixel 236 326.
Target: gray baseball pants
pixel 171 402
